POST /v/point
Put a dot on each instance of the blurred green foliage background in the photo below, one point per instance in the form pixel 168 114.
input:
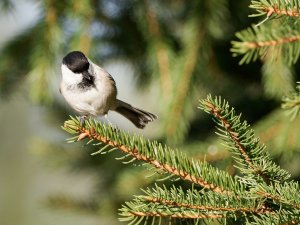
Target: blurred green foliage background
pixel 172 52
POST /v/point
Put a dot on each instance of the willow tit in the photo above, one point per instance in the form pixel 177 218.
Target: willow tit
pixel 90 90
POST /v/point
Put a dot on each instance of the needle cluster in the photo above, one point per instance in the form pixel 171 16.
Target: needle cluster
pixel 261 194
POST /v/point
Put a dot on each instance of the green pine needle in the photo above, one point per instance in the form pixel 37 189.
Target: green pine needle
pixel 166 159
pixel 256 42
pixel 261 195
pixel 291 103
pixel 250 156
pixel 276 8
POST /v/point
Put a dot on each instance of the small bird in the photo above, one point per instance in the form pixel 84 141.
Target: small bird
pixel 90 90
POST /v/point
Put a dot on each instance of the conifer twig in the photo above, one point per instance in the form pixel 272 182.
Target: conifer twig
pixel 257 41
pixel 192 202
pixel 288 190
pixel 166 160
pixel 292 222
pixel 177 215
pixel 274 9
pixel 134 153
pixel 216 111
pixel 291 102
pixel 267 43
pixel 256 210
pixel 189 63
pixel 162 55
pixel 262 195
pixel 241 140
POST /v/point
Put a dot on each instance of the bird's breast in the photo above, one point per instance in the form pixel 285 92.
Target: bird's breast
pixel 96 100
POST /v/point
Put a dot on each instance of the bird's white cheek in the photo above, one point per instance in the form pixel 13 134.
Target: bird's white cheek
pixel 69 77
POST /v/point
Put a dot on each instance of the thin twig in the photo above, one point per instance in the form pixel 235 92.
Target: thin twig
pixel 92 134
pixel 261 44
pixel 183 88
pixel 281 12
pixel 178 215
pixel 277 199
pixel 260 210
pixel 235 138
pixel 161 50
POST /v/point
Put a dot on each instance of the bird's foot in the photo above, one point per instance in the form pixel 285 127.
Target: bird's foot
pixel 114 127
pixel 82 119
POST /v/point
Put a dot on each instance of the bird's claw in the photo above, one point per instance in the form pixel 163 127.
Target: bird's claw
pixel 113 126
pixel 82 119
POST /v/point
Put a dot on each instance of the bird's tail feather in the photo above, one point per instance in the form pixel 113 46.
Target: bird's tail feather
pixel 137 116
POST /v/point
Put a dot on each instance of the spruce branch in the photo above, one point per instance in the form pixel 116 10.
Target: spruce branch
pixel 276 8
pixel 193 199
pixel 250 155
pixel 286 194
pixel 45 51
pixel 183 69
pixel 282 217
pixel 82 39
pixel 164 159
pixel 192 204
pixel 255 42
pixel 277 78
pixel 261 196
pixel 161 50
pixel 291 103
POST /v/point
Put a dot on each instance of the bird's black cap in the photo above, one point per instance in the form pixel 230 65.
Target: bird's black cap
pixel 76 61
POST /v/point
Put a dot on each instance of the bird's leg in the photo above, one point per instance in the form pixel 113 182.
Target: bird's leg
pixel 107 120
pixel 110 124
pixel 82 119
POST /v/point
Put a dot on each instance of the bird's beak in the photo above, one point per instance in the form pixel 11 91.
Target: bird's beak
pixel 87 75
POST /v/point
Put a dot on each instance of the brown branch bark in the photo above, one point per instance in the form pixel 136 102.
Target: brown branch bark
pixel 178 215
pixel 162 55
pixel 235 138
pixel 277 199
pixel 260 210
pixel 280 12
pixel 92 134
pixel 261 44
pixel 292 222
pixel 183 88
